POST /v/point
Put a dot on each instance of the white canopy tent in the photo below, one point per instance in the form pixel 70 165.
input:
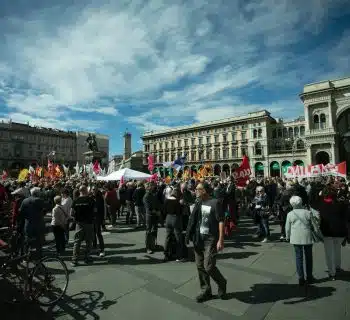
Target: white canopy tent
pixel 127 174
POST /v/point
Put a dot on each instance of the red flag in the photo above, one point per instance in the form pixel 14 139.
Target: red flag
pixel 4 175
pixel 96 167
pixel 242 173
pixel 150 163
pixel 49 165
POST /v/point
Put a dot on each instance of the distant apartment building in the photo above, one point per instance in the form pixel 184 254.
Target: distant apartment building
pixel 22 145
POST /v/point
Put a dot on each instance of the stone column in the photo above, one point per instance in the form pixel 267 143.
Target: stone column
pixel 309 156
pixel 307 118
pixel 330 120
pixel 334 153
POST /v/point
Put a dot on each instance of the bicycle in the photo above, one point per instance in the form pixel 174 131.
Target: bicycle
pixel 38 280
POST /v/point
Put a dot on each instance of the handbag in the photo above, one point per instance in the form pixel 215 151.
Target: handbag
pixel 314 226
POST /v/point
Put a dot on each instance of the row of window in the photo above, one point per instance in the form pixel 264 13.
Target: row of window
pixel 288 132
pixel 257 150
pixel 205 132
pixel 38 138
pixel 209 155
pixel 200 141
pixel 319 121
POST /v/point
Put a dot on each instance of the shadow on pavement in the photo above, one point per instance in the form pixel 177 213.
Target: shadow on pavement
pixel 82 305
pixel 235 255
pixel 342 275
pixel 17 310
pixel 273 292
pixel 119 245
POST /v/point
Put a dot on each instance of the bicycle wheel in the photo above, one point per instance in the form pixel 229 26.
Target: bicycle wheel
pixel 43 278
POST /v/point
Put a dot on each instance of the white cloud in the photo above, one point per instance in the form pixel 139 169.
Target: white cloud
pixel 176 61
pixel 54 123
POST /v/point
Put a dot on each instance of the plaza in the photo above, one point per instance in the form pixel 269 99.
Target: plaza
pixel 128 284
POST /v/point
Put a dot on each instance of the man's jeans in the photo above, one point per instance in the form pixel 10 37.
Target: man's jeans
pixel 151 231
pixel 59 233
pixel 206 265
pixel 98 236
pixel 140 215
pixel 85 232
pixel 264 227
pixel 131 211
pixel 300 251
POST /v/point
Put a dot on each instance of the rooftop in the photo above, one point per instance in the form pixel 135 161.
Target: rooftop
pixel 249 116
pixel 26 126
pixel 326 85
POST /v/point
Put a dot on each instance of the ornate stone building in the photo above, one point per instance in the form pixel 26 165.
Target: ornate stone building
pixel 272 145
pixel 268 143
pixel 327 115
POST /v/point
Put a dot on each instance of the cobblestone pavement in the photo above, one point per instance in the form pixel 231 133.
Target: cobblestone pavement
pixel 129 284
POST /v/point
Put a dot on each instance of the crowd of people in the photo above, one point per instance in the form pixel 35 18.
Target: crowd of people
pixel 203 212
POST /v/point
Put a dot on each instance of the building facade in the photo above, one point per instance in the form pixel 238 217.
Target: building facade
pixel 327 118
pixel 102 144
pixel 22 145
pixel 321 135
pixel 266 141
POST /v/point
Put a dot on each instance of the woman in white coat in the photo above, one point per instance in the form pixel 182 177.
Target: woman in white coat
pixel 299 234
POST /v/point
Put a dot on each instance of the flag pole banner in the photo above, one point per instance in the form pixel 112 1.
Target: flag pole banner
pixel 242 174
pixel 317 170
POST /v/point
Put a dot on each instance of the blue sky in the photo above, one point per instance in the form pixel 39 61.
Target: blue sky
pixel 148 65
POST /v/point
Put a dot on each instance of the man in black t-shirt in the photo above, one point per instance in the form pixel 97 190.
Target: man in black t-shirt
pixel 206 230
pixel 83 212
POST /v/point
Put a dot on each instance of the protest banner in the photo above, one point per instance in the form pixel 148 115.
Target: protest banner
pixel 317 170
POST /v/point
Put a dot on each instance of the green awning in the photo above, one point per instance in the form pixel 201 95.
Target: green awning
pixel 259 167
pixel 275 166
pixel 299 163
pixel 286 166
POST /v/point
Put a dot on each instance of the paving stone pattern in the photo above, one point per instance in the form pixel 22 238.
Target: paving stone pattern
pixel 129 284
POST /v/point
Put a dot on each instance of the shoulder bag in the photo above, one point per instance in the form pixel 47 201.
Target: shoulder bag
pixel 314 227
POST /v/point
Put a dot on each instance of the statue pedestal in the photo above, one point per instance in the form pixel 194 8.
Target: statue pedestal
pixel 93 156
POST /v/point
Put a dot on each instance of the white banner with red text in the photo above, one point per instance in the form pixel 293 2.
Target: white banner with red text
pixel 317 170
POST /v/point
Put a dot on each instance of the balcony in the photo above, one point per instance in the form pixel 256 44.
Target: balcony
pixel 325 131
pixel 244 141
pixel 258 156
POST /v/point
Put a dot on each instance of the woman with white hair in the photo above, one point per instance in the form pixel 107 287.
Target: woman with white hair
pixel 299 234
pixel 261 213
